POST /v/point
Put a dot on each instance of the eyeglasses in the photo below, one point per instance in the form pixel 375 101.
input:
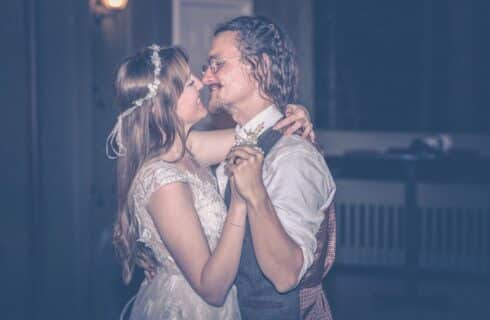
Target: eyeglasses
pixel 215 64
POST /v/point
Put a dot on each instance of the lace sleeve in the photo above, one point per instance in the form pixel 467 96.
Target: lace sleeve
pixel 150 178
pixel 157 175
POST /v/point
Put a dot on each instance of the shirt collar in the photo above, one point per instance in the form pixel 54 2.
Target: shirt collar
pixel 250 131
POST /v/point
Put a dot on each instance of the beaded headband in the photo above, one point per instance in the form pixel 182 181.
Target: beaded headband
pixel 114 140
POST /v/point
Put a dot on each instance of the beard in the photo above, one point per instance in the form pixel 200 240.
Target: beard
pixel 216 105
pixel 219 107
pixel 212 103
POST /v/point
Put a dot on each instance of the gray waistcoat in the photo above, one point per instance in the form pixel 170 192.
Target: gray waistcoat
pixel 257 297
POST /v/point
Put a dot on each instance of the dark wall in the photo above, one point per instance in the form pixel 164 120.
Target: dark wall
pixel 402 65
pixel 57 192
pixel 15 271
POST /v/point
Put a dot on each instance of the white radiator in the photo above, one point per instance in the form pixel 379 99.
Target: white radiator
pixel 454 227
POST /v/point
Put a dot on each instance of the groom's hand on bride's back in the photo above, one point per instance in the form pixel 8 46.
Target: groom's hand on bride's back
pixel 149 274
pixel 148 265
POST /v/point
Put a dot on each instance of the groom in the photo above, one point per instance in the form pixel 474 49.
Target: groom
pixel 290 231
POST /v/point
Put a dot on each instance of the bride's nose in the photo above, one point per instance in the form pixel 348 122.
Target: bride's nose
pixel 199 84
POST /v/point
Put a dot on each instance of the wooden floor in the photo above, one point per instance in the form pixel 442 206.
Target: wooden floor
pixel 376 296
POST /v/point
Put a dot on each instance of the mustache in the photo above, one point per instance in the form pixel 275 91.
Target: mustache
pixel 216 85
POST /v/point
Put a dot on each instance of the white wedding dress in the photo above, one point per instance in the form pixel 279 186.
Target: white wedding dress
pixel 168 295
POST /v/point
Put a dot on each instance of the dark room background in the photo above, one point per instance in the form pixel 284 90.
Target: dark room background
pixel 374 74
pixel 403 65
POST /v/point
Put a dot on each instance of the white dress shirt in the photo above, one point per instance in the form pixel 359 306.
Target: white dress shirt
pixel 297 181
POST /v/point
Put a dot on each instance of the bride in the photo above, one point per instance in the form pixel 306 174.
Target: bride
pixel 170 214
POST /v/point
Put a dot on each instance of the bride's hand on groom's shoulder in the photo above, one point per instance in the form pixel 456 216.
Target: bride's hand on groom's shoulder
pixel 297 121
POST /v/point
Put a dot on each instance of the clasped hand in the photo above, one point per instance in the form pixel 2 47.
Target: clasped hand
pixel 244 167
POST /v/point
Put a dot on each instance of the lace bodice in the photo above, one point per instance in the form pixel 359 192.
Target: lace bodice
pixel 168 295
pixel 207 202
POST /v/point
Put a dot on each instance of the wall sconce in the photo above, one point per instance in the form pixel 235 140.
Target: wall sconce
pixel 102 8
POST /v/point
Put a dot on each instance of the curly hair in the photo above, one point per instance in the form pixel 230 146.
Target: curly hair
pixel 270 53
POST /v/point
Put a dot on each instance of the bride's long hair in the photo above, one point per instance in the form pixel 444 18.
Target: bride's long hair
pixel 146 132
